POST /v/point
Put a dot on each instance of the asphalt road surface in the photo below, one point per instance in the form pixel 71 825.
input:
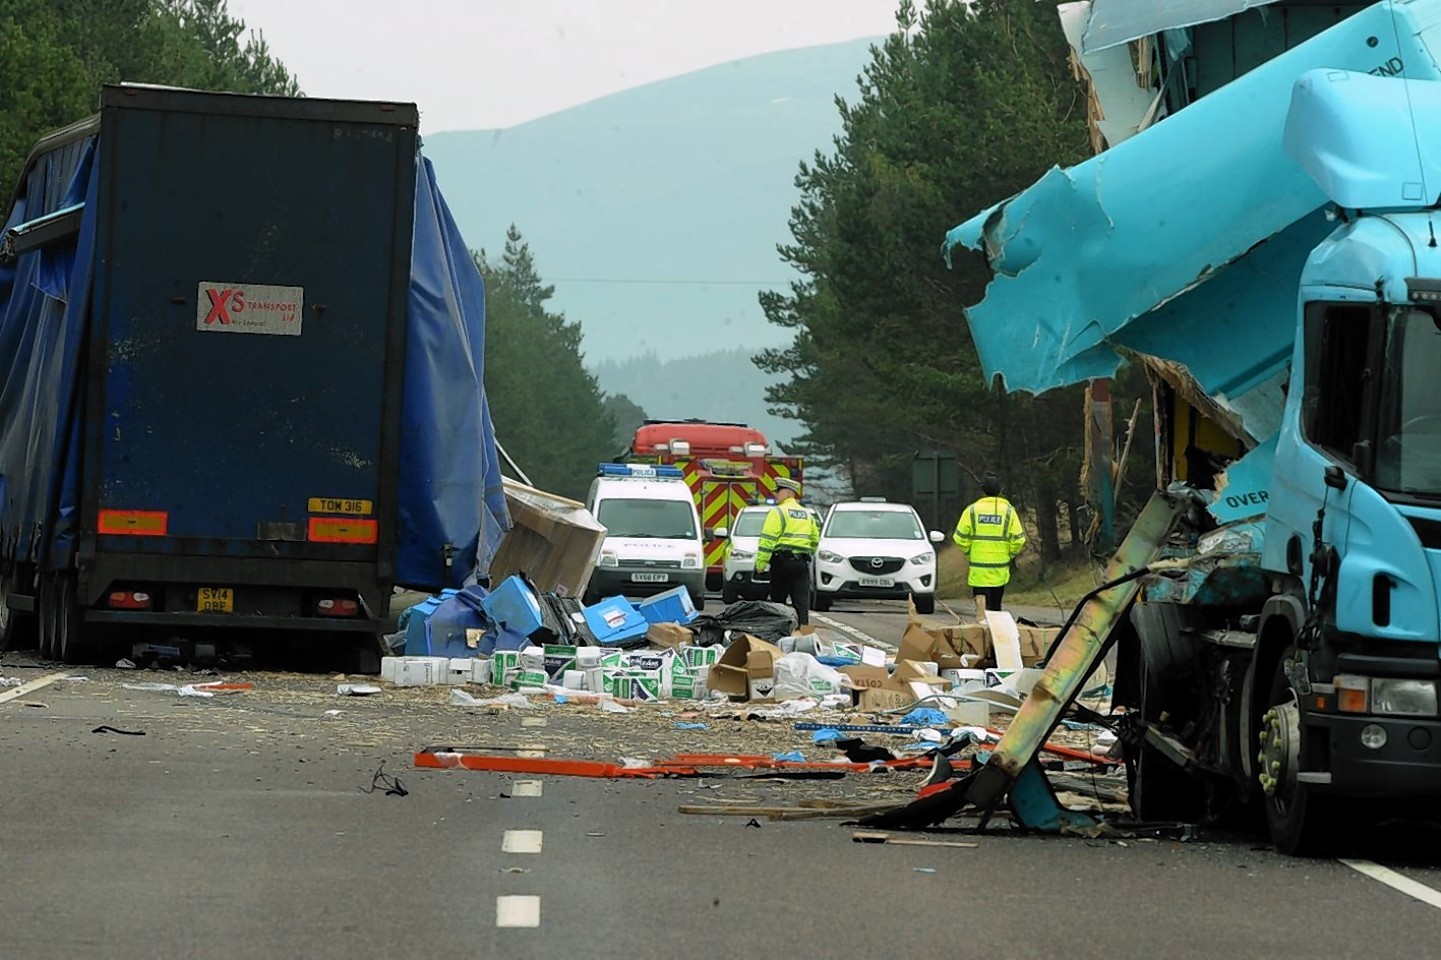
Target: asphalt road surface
pixel 241 826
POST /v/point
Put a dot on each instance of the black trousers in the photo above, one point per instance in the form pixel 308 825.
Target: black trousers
pixel 791 576
pixel 992 595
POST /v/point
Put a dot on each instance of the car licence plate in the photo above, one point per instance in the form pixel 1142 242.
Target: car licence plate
pixel 215 600
pixel 877 582
pixel 649 577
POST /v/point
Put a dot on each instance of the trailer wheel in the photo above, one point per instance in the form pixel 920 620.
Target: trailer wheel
pixel 70 643
pixel 1299 819
pixel 45 617
pixel 17 630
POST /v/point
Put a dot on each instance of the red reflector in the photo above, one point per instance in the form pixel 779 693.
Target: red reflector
pixel 135 523
pixel 342 530
pixel 337 608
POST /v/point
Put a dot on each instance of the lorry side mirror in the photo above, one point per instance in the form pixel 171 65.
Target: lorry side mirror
pixel 1335 478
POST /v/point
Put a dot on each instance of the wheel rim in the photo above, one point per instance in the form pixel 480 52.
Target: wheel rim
pixel 1280 752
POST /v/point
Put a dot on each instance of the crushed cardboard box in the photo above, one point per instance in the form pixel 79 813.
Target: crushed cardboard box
pixel 746 670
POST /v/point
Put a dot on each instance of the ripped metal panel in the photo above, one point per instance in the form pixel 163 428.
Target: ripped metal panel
pixel 1114 22
pixel 1085 253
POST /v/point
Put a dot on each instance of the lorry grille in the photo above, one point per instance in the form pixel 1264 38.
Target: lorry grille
pixel 870 567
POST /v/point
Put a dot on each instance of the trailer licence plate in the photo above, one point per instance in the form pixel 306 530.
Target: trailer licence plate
pixel 877 582
pixel 649 577
pixel 215 600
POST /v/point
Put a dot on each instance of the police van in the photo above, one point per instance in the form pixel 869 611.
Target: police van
pixel 653 539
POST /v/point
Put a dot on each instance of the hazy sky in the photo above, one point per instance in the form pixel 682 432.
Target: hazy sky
pixel 494 63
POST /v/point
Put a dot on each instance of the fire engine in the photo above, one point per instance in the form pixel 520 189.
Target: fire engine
pixel 728 466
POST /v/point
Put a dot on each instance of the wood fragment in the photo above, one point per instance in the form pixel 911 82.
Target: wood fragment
pixel 876 836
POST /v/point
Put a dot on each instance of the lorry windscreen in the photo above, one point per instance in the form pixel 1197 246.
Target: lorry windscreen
pixel 658 519
pixel 1408 456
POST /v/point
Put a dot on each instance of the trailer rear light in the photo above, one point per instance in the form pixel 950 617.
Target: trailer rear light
pixel 135 523
pixel 1352 693
pixel 342 530
pixel 129 600
pixel 336 607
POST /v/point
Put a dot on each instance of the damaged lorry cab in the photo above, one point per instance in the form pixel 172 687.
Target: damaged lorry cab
pixel 1291 325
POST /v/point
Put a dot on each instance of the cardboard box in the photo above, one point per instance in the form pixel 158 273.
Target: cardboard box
pixel 932 641
pixel 938 645
pixel 657 660
pixel 746 670
pixel 459 671
pixel 669 635
pixel 866 678
pixel 910 682
pixel 555 541
pixel 558 659
pixel 414 671
pixel 480 670
pixel 626 683
pixel 698 658
pixel 504 660
pixel 526 678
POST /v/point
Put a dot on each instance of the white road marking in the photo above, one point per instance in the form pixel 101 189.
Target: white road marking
pixel 33 685
pixel 1396 881
pixel 855 633
pixel 517 911
pixel 521 841
pixel 526 788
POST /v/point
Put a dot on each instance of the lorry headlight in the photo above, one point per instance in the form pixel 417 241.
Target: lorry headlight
pixel 827 557
pixel 922 559
pixel 1407 698
pixel 608 560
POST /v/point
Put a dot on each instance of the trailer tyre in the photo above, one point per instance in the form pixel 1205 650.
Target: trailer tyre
pixel 17 630
pixel 70 644
pixel 1299 819
pixel 45 618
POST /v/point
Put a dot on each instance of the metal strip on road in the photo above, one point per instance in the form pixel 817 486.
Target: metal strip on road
pixel 1396 881
pixel 855 633
pixel 513 911
pixel 30 687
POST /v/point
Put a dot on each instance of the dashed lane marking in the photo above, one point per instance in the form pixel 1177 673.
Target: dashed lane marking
pixel 1396 881
pixel 855 633
pixel 521 841
pixel 33 685
pixel 513 911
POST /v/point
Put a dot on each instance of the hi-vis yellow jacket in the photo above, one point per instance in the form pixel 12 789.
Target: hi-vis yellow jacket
pixel 788 526
pixel 989 534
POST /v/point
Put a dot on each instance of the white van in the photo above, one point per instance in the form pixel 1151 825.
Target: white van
pixel 653 534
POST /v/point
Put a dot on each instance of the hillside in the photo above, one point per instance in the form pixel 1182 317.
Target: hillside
pixel 656 211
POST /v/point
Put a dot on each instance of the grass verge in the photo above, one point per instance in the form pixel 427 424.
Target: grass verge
pixel 1031 585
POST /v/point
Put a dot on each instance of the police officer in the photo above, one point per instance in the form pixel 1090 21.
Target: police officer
pixel 789 539
pixel 989 534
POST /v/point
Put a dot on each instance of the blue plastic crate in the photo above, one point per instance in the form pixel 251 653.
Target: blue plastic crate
pixel 616 623
pixel 673 606
pixel 515 607
pixel 413 621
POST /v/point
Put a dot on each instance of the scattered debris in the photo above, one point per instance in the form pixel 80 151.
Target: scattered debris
pixel 105 728
pixel 356 690
pixel 875 836
pixel 124 664
pixel 392 785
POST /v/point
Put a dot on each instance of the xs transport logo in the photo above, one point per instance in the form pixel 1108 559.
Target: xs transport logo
pixel 249 308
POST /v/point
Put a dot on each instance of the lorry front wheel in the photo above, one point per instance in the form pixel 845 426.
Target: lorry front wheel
pixel 1298 817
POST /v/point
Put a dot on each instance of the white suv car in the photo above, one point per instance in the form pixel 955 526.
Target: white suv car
pixel 875 550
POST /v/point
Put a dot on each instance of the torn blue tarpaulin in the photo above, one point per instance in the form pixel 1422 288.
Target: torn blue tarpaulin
pixel 1114 22
pixel 1118 252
